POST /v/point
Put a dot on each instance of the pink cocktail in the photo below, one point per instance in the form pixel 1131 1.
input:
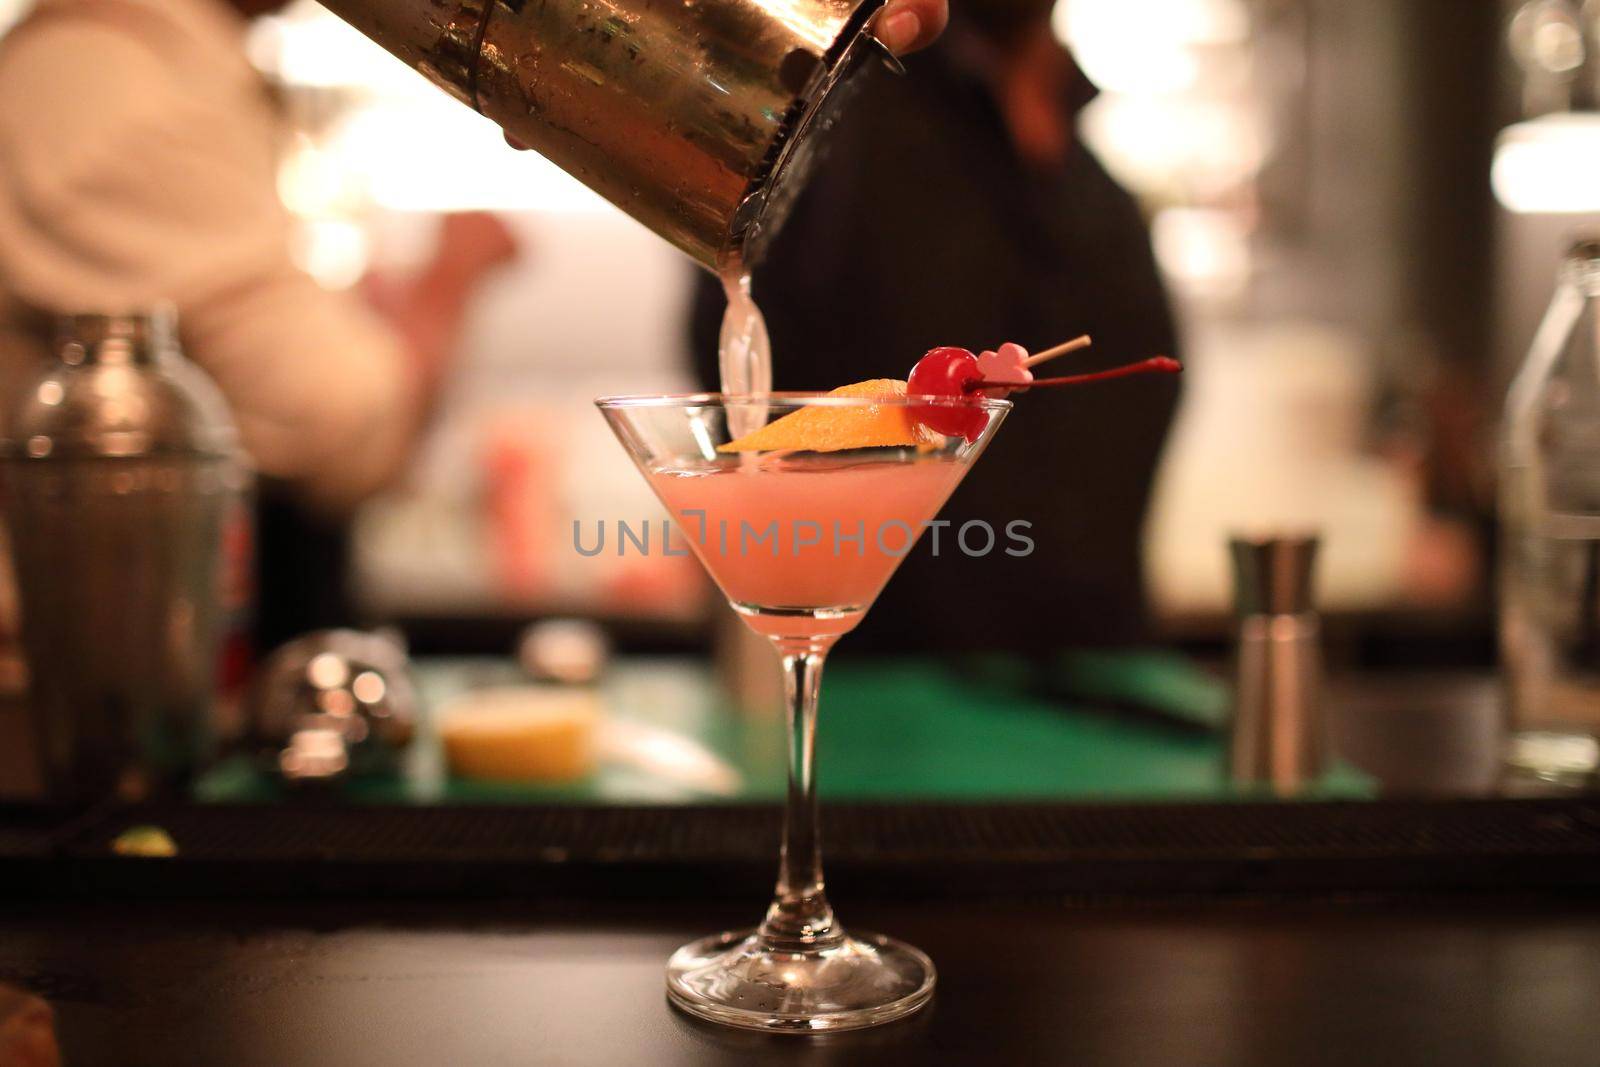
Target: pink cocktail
pixel 801 522
pixel 803 545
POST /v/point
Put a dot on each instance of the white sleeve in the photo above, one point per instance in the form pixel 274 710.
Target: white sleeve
pixel 122 185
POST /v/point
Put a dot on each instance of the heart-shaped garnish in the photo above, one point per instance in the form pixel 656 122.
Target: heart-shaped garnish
pixel 1009 363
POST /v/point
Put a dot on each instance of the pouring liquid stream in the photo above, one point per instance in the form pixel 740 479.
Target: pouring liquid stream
pixel 744 352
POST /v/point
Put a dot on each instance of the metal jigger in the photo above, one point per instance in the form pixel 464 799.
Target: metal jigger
pixel 1278 736
pixel 696 117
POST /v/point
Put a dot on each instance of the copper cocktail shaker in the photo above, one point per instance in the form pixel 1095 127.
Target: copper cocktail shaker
pixel 696 117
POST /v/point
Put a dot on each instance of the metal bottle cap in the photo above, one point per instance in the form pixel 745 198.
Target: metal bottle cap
pixel 118 389
pixel 1272 575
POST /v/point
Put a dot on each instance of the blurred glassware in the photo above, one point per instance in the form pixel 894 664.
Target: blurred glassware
pixel 123 486
pixel 672 759
pixel 1546 40
pixel 1550 537
pixel 566 651
pixel 332 703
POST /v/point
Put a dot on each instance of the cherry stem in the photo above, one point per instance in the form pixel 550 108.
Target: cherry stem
pixel 1155 365
pixel 1059 350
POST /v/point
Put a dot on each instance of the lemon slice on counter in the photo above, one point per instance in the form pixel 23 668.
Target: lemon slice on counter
pixel 521 734
pixel 145 841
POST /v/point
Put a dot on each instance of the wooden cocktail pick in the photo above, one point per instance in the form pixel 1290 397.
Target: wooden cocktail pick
pixel 1062 349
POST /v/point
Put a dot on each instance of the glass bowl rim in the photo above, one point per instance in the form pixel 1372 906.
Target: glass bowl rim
pixel 796 399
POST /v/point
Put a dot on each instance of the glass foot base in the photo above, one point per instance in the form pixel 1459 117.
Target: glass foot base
pixel 736 980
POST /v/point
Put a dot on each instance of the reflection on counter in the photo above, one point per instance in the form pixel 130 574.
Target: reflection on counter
pixel 27 1030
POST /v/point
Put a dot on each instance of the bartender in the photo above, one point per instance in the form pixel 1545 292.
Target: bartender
pixel 956 207
pixel 138 164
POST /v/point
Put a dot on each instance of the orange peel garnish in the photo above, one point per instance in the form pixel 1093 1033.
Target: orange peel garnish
pixel 834 429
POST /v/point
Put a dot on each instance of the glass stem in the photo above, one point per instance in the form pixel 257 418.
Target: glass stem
pixel 800 918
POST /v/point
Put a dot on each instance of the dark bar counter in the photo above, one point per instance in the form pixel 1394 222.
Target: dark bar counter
pixel 1419 927
pixel 1332 933
pixel 1247 983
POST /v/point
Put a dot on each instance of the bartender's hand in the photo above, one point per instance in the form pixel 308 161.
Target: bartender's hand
pixel 428 309
pixel 907 25
pixel 903 26
pixel 472 244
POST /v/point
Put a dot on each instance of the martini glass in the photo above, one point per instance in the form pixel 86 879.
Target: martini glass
pixel 801 543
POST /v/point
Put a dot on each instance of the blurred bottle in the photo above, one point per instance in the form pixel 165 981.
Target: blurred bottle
pixel 1550 533
pixel 123 487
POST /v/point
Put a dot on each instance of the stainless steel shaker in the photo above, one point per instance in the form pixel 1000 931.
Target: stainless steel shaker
pixel 1278 736
pixel 119 474
pixel 696 117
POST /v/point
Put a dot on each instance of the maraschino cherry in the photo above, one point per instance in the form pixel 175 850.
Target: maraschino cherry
pixel 957 373
pixel 945 372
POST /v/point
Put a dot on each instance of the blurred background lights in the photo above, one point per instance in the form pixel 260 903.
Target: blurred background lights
pixel 1549 165
pixel 1206 253
pixel 1147 46
pixel 376 135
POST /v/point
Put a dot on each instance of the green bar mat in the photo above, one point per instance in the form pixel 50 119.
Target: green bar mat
pixel 889 730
